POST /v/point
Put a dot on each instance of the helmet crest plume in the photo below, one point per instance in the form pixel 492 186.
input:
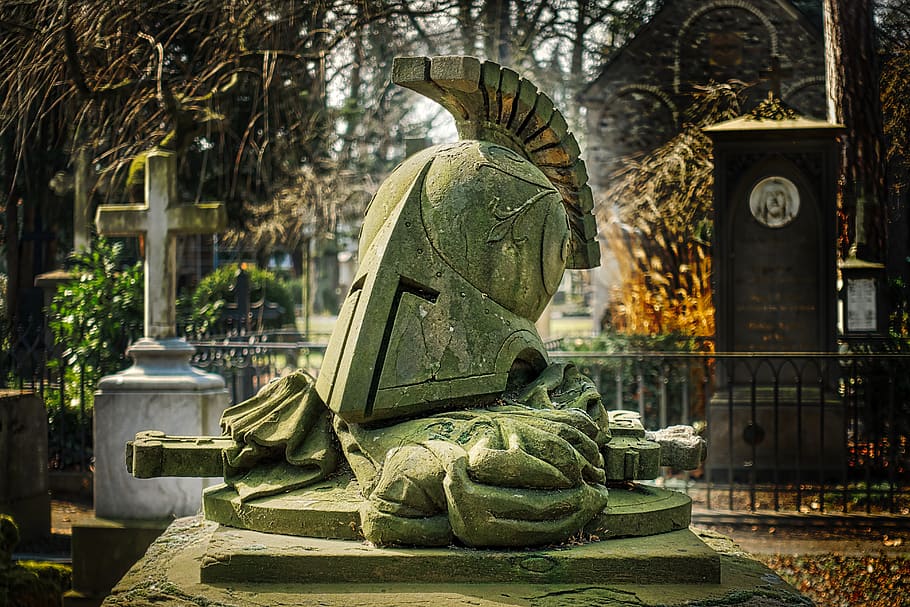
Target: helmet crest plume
pixel 493 103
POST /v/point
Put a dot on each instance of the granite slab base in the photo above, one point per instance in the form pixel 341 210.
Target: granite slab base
pixel 171 575
pixel 331 510
pixel 102 551
pixel 238 555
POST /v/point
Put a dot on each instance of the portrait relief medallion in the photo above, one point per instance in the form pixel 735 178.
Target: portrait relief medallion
pixel 774 202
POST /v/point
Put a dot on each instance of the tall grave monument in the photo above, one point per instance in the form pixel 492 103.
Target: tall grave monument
pixel 160 388
pixel 775 291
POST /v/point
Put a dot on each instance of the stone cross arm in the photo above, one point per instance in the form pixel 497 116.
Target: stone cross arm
pixel 159 221
pixel 131 220
pixel 153 454
pixel 631 454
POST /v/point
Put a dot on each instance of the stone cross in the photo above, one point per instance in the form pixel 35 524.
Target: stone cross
pixel 159 221
pixel 82 200
pixel 775 74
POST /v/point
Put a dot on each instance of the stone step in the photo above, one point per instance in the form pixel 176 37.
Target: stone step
pixel 241 556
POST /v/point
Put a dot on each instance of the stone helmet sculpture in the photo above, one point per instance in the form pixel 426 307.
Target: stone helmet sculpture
pixel 461 249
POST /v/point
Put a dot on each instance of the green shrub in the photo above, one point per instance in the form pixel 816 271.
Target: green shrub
pixel 97 314
pixel 204 308
pixel 295 288
pixel 620 342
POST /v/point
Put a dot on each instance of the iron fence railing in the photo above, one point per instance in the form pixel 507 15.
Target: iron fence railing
pixel 248 364
pixel 246 360
pixel 802 433
pixel 786 432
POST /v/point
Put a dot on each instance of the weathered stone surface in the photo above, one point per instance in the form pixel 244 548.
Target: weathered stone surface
pixel 239 556
pixel 153 454
pixel 333 508
pixel 638 510
pixel 330 509
pixel 680 447
pixel 23 463
pixel 459 264
pixel 629 457
pixel 494 104
pixel 160 219
pixel 169 576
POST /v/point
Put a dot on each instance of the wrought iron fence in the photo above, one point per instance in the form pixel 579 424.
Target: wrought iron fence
pixel 248 363
pixel 246 360
pixel 786 432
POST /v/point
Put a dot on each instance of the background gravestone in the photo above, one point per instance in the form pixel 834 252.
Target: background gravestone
pixel 23 463
pixel 642 96
pixel 160 390
pixel 774 292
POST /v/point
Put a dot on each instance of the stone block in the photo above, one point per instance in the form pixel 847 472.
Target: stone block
pixel 236 556
pixel 23 463
pixel 103 550
pixel 118 418
pixel 796 439
pixel 173 563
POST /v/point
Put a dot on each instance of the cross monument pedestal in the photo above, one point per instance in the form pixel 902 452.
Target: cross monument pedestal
pixel 161 389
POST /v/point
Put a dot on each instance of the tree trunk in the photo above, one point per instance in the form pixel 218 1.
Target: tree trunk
pixel 853 100
pixel 468 26
pixel 497 15
pixel 10 194
pixel 352 117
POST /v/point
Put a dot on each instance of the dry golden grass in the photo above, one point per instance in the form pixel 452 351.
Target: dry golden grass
pixel 657 218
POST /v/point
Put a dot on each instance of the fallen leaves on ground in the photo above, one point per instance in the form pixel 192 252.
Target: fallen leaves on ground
pixel 846 581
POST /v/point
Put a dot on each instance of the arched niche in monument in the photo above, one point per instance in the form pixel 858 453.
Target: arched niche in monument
pixel 722 41
pixel 775 235
pixel 635 119
pixel 807 97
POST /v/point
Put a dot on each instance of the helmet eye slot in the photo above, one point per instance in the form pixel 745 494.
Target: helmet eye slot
pixel 405 285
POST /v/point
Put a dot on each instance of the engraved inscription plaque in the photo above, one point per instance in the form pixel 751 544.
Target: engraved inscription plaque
pixel 861 314
pixel 775 272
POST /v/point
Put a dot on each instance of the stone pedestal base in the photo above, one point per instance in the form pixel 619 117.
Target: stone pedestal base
pixel 23 464
pixel 795 436
pixel 331 510
pixel 236 556
pixel 103 550
pixel 172 574
pixel 159 392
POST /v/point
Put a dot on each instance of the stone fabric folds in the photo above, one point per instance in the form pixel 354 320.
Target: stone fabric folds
pixel 284 439
pixel 526 471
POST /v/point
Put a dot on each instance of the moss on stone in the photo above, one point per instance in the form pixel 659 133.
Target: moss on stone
pixel 28 583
